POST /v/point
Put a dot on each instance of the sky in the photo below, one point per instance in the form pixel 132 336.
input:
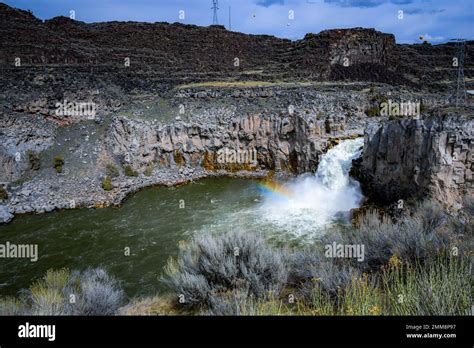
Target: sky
pixel 436 21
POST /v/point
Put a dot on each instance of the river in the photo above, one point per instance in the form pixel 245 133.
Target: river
pixel 152 222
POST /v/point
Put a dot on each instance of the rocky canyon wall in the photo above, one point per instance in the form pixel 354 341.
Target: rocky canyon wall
pixel 287 137
pixel 409 158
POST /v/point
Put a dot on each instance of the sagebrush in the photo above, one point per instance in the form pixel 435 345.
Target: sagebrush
pixel 61 292
pixel 212 268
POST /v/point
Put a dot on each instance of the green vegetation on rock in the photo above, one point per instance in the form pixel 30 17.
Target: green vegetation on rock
pixel 34 160
pixel 148 170
pixel 107 183
pixel 112 171
pixel 58 163
pixel 128 170
pixel 3 194
pixel 373 111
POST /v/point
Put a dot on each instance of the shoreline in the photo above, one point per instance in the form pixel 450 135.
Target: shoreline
pixel 24 201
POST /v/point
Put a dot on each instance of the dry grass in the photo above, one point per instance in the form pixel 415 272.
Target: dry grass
pixel 229 84
pixel 149 306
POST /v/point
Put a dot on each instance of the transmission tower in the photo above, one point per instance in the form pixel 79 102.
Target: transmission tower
pixel 215 7
pixel 459 86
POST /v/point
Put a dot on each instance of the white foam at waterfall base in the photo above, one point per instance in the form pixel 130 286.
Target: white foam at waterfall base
pixel 318 200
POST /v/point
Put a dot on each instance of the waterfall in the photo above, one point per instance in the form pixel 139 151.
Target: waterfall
pixel 316 200
pixel 333 169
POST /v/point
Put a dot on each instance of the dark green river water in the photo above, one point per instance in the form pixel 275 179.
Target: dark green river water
pixel 150 223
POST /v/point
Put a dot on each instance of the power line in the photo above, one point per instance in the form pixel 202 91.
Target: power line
pixel 459 85
pixel 215 7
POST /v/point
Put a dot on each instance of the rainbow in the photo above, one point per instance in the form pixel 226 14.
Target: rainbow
pixel 273 187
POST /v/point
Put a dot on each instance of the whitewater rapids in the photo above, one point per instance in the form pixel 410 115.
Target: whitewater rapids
pixel 317 200
pixel 300 210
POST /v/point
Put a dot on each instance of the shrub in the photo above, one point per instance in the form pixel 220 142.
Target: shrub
pixel 238 303
pixel 467 227
pixel 373 111
pixel 3 194
pixel 234 302
pixel 129 171
pixel 58 163
pixel 92 292
pixel 99 293
pixel 432 216
pixel 213 267
pixel 310 268
pixel 469 205
pixel 413 239
pixel 12 306
pixel 112 171
pixel 319 303
pixel 443 287
pixel 47 296
pixel 361 297
pixel 107 183
pixel 374 233
pixel 148 170
pixel 34 160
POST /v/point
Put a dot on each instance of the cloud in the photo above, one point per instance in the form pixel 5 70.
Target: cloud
pixel 420 11
pixel 402 2
pixel 429 38
pixel 268 3
pixel 366 3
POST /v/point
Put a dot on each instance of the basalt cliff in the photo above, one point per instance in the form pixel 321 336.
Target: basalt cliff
pixel 413 159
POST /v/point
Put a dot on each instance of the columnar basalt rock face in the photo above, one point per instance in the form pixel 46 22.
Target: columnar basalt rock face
pixel 287 127
pixel 432 157
pixel 282 143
